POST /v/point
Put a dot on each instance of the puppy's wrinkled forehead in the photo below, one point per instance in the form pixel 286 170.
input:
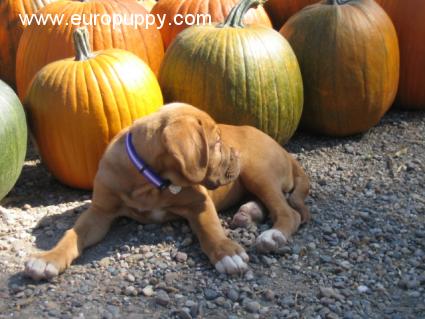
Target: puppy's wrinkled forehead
pixel 185 109
pixel 182 109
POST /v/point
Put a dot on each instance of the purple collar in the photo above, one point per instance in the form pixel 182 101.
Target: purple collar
pixel 142 167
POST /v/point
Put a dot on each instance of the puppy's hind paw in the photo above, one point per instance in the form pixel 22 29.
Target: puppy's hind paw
pixel 249 213
pixel 38 269
pixel 236 264
pixel 270 241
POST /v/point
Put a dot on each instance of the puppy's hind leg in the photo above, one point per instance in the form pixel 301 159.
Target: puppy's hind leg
pixel 300 191
pixel 90 228
pixel 249 213
pixel 286 220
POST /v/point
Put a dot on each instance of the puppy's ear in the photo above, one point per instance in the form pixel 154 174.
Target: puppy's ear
pixel 186 141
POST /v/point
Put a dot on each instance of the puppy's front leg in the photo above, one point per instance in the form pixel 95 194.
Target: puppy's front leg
pixel 227 256
pixel 90 228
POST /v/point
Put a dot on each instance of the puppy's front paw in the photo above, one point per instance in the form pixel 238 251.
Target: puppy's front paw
pixel 38 268
pixel 236 264
pixel 270 241
pixel 229 257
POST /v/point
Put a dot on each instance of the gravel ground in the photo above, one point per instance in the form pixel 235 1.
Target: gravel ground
pixel 362 256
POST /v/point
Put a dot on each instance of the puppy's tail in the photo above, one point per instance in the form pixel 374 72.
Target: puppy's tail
pixel 300 191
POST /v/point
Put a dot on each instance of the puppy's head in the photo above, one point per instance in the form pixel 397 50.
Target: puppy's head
pixel 196 152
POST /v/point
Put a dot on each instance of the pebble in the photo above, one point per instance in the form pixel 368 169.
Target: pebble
pixel 130 291
pixel 362 289
pixel 181 257
pixel 287 301
pixel 345 264
pixel 187 242
pixel 331 293
pixel 130 278
pixel 162 298
pixel 269 295
pixel 251 306
pixel 183 313
pixel 148 291
pixel 211 294
pixel 249 275
pixel 233 294
pixel 170 277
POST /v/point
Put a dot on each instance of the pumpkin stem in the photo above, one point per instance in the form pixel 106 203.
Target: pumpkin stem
pixel 234 19
pixel 82 44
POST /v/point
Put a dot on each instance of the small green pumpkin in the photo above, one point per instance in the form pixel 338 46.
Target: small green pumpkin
pixel 13 138
pixel 240 75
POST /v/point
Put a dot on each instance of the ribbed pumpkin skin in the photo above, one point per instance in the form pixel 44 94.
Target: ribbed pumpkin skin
pixel 408 18
pixel 76 107
pixel 41 45
pixel 280 11
pixel 218 9
pixel 11 30
pixel 246 76
pixel 13 138
pixel 349 61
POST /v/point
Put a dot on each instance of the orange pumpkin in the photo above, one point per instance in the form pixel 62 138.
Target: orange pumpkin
pixel 217 9
pixel 42 44
pixel 408 19
pixel 281 10
pixel 147 4
pixel 349 59
pixel 77 105
pixel 11 28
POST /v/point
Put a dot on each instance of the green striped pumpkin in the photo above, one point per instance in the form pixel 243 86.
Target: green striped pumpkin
pixel 13 138
pixel 238 74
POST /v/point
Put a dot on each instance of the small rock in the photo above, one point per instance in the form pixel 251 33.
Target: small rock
pixel 325 259
pixel 130 291
pixel 170 277
pixel 332 315
pixel 104 262
pixel 211 294
pixel 267 260
pixel 362 289
pixel 251 306
pixel 287 302
pixel 233 294
pixel 414 294
pixel 130 278
pixel 331 293
pixel 220 301
pixel 181 257
pixel 249 275
pixel 183 313
pixel 269 295
pixel 125 249
pixel 420 233
pixel 345 264
pixel 148 291
pixel 162 298
pixel 193 306
pixel 311 246
pixel 296 249
pixel 349 149
pixel 187 242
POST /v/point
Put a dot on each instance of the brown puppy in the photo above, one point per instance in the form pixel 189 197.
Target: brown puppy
pixel 209 167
